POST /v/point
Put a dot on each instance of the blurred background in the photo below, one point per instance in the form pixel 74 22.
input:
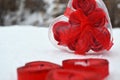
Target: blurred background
pixel 41 12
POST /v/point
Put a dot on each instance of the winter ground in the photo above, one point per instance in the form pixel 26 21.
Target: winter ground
pixel 22 44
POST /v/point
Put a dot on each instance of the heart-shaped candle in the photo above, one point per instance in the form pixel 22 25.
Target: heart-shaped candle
pixel 71 69
pixel 99 66
pixel 36 70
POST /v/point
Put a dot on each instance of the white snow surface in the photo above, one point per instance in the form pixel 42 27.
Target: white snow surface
pixel 22 44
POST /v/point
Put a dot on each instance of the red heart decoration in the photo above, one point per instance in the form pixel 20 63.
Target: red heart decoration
pixel 84 27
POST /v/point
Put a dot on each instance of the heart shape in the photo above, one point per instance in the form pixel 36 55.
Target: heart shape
pixel 100 66
pixel 35 70
pixel 84 26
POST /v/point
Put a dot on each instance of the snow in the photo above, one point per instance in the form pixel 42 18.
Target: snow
pixel 22 44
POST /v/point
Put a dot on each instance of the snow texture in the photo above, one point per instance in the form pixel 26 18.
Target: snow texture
pixel 22 44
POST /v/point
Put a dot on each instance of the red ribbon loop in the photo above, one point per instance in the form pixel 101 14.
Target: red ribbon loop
pixel 67 12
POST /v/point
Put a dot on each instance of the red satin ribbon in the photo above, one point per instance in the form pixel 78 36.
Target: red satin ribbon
pixel 86 5
pixel 35 70
pixel 99 66
pixel 66 74
pixel 67 12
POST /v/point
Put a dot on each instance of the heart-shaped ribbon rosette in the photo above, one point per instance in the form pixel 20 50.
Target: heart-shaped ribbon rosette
pixel 85 26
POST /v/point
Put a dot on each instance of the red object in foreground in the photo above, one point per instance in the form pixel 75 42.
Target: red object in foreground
pixel 99 66
pixel 66 74
pixel 36 70
pixel 72 69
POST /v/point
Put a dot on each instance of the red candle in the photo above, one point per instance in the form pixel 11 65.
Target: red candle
pixel 99 66
pixel 35 70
